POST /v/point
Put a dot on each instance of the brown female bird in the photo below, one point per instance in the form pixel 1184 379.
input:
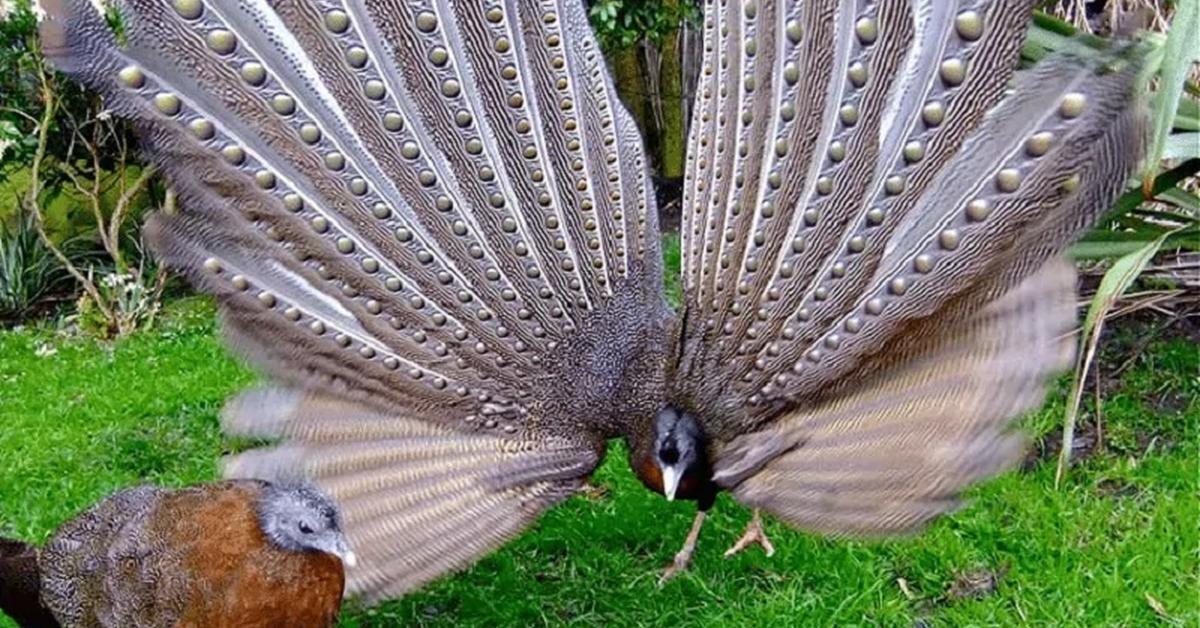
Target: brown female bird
pixel 235 553
pixel 431 223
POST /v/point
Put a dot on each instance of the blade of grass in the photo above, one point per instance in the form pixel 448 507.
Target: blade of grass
pixel 1177 60
pixel 1112 286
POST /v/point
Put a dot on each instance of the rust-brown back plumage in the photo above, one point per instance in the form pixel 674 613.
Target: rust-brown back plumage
pixel 190 557
pixel 431 223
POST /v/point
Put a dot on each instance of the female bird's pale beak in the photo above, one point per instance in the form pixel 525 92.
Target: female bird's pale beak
pixel 671 477
pixel 349 559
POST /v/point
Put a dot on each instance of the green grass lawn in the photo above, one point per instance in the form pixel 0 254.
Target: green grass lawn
pixel 79 420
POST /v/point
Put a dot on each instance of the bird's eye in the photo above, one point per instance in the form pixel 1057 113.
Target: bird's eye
pixel 305 528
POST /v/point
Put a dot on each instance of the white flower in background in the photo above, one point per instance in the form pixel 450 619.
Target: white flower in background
pixel 9 7
pixel 45 350
pixel 8 131
pixel 115 280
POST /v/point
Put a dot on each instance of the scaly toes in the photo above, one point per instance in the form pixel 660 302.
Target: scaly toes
pixel 754 535
pixel 677 566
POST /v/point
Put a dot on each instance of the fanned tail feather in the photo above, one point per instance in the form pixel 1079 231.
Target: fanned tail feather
pixel 907 176
pixel 439 194
pixel 892 450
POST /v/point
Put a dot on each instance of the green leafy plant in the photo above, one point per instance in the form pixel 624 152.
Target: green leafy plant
pixel 1115 282
pixel 623 23
pixel 72 151
pixel 1159 216
pixel 28 270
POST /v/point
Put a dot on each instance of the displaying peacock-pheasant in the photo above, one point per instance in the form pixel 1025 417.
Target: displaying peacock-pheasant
pixel 430 222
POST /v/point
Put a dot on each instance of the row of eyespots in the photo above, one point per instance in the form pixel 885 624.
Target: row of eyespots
pixel 490 416
pixel 318 327
pixel 442 64
pixel 866 34
pixel 866 31
pixel 691 209
pixel 711 79
pixel 390 361
pixel 254 74
pixel 577 138
pixel 596 75
pixel 502 36
pixel 697 181
pixel 749 50
pixel 736 201
pixel 968 28
pixel 439 57
pixel 717 204
pixel 357 57
pixel 794 36
pixel 1006 181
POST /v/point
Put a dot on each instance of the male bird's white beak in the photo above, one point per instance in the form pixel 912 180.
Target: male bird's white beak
pixel 671 477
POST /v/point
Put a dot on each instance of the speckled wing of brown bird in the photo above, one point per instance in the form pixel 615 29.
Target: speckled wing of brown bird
pixel 152 557
pixel 873 298
pixel 429 221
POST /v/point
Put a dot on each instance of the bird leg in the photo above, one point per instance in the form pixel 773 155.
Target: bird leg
pixel 684 557
pixel 753 534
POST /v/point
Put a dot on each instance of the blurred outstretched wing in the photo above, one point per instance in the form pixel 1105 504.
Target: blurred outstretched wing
pixel 874 199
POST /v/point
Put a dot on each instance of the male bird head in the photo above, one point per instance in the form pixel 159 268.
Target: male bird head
pixel 675 463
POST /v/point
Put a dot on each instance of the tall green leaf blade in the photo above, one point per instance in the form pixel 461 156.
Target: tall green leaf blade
pixel 1177 60
pixel 1180 197
pixel 1182 146
pixel 1114 284
pixel 1187 118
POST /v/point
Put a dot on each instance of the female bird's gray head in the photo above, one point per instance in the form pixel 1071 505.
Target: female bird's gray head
pixel 300 518
pixel 678 448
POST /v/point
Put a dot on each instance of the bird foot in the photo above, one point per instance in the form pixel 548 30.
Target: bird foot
pixel 684 557
pixel 677 566
pixel 753 535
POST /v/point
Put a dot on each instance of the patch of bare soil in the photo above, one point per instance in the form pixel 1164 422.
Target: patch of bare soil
pixel 1047 448
pixel 975 584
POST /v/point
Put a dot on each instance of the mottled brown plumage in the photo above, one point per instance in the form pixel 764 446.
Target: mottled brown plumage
pixel 202 556
pixel 430 222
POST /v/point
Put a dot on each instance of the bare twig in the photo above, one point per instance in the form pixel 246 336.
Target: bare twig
pixel 31 204
pixel 121 210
